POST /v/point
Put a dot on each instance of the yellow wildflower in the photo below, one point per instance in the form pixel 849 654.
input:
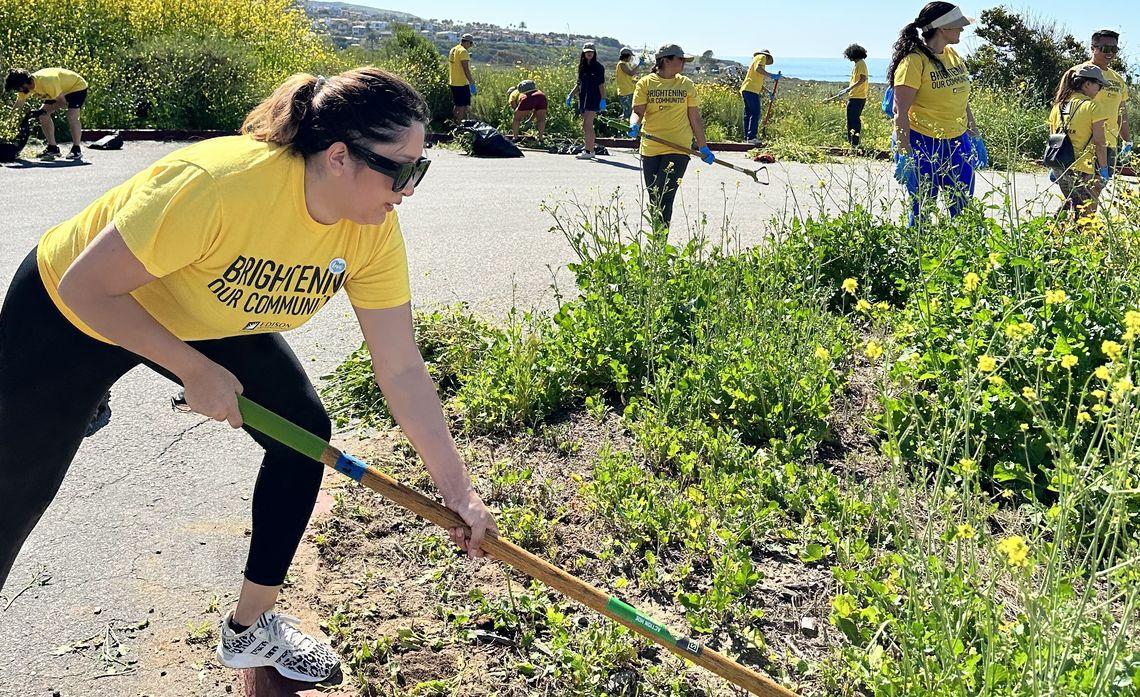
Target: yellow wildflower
pixel 1055 297
pixel 1132 322
pixel 995 260
pixel 1029 393
pixel 965 531
pixel 1015 550
pixel 863 305
pixel 874 349
pixel 996 380
pixel 1067 362
pixel 1024 427
pixel 1102 372
pixel 970 282
pixel 850 285
pixel 1099 394
pixel 1083 417
pixel 987 364
pixel 1113 350
pixel 822 354
pixel 967 466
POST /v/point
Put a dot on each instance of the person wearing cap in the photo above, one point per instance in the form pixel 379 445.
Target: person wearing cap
pixel 856 92
pixel 459 76
pixel 752 89
pixel 625 76
pixel 1113 96
pixel 1077 111
pixel 591 93
pixel 58 88
pixel 527 100
pixel 936 138
pixel 665 104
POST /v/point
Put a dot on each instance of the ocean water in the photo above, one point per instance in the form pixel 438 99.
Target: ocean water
pixel 824 69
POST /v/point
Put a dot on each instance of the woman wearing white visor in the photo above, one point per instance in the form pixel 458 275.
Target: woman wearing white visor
pixel 937 141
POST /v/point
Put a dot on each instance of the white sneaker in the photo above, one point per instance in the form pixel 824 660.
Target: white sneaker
pixel 274 641
pixel 585 155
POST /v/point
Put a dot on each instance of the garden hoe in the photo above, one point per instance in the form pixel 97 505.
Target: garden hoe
pixel 287 433
pixel 743 170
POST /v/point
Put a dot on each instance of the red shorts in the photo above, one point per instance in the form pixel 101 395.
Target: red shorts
pixel 532 102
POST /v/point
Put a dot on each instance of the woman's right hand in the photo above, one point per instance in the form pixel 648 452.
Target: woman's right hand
pixel 212 391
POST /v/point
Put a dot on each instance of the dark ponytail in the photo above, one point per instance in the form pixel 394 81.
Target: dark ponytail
pixel 658 65
pixel 911 40
pixel 1069 85
pixel 310 113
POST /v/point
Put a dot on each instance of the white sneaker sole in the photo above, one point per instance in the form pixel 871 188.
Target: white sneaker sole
pixel 243 661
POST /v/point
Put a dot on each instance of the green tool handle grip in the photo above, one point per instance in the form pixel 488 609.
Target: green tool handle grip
pixel 261 419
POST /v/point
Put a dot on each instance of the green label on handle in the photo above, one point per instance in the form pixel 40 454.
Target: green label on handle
pixel 261 419
pixel 632 614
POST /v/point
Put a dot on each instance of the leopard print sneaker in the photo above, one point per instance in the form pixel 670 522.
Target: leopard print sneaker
pixel 274 641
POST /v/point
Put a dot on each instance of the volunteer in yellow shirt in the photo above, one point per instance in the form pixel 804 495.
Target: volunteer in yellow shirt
pixel 625 78
pixel 1077 110
pixel 856 92
pixel 459 77
pixel 193 267
pixel 665 105
pixel 752 91
pixel 58 88
pixel 1113 98
pixel 937 142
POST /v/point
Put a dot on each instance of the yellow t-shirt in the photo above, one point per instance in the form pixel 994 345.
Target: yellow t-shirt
pixel 754 81
pixel 53 83
pixel 667 105
pixel 1110 98
pixel 939 108
pixel 455 58
pixel 1083 113
pixel 625 83
pixel 860 92
pixel 223 226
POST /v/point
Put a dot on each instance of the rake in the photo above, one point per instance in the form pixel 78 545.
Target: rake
pixel 291 435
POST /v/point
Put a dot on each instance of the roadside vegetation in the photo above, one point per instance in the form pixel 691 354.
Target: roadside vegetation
pixel 867 459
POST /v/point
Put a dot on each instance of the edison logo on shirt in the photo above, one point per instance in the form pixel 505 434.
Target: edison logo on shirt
pixel 260 286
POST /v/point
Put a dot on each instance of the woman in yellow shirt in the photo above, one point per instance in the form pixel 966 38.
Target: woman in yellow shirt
pixel 856 92
pixel 665 104
pixel 1077 111
pixel 193 267
pixel 752 91
pixel 625 77
pixel 936 139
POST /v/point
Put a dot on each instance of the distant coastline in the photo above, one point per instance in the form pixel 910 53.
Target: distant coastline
pixel 836 69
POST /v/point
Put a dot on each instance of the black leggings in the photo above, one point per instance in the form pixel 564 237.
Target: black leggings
pixel 661 174
pixel 855 120
pixel 52 378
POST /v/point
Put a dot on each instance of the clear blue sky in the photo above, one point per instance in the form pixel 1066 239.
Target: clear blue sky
pixel 735 28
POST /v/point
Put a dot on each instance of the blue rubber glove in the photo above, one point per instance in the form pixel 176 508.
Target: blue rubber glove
pixel 707 155
pixel 473 90
pixel 602 105
pixel 635 130
pixel 906 169
pixel 778 76
pixel 569 100
pixel 1053 176
pixel 981 155
pixel 1125 150
pixel 1105 174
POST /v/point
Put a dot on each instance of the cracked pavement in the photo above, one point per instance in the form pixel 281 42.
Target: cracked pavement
pixel 151 519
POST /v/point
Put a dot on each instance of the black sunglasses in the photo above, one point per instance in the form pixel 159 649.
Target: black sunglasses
pixel 1107 48
pixel 402 174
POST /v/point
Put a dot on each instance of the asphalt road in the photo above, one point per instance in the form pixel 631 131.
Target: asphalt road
pixel 150 522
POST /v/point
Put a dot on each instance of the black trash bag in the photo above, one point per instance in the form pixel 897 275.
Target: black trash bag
pixel 110 142
pixel 9 151
pixel 486 141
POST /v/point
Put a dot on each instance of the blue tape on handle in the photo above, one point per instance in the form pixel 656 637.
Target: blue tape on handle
pixel 353 467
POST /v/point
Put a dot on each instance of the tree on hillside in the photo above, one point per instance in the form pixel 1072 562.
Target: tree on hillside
pixel 1025 49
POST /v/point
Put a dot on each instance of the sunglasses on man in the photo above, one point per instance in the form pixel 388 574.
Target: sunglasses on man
pixel 402 173
pixel 1108 48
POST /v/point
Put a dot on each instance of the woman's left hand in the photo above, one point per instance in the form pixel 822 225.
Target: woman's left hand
pixel 473 511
